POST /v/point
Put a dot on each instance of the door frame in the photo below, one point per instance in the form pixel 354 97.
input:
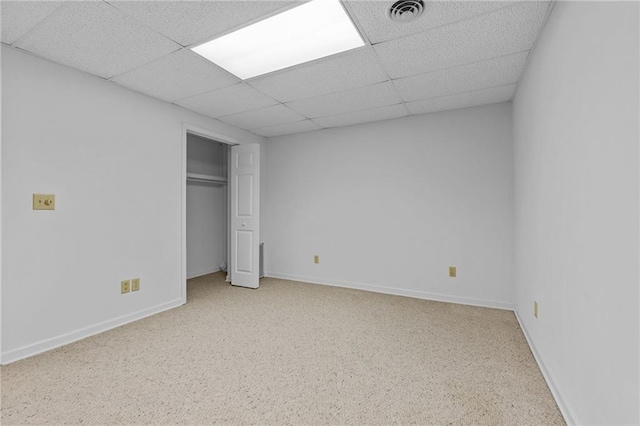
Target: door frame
pixel 209 134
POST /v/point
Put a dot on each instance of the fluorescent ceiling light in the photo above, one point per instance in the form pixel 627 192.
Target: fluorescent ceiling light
pixel 313 30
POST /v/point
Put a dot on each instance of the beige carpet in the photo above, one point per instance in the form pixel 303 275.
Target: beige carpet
pixel 289 353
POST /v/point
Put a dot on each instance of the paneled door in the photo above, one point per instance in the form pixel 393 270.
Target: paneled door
pixel 244 178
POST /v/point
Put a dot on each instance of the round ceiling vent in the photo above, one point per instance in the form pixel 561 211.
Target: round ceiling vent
pixel 404 11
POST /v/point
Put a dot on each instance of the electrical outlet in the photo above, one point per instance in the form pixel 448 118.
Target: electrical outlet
pixel 452 271
pixel 316 259
pixel 135 284
pixel 125 286
pixel 44 202
pixel 535 309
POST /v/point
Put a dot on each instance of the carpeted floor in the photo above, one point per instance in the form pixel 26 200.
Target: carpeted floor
pixel 289 353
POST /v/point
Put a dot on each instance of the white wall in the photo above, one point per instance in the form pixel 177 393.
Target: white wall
pixel 388 206
pixel 1 239
pixel 576 208
pixel 206 208
pixel 113 158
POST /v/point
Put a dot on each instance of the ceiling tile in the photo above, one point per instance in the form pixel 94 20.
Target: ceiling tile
pixel 344 71
pixel 230 100
pixel 378 95
pixel 287 129
pixel 463 100
pixel 371 15
pixel 95 37
pixel 377 114
pixel 18 17
pixel 176 76
pixel 479 75
pixel 189 22
pixel 503 32
pixel 266 117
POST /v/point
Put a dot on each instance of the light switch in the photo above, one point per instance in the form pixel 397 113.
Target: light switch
pixel 44 202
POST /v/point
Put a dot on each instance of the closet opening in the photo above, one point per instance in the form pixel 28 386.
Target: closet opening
pixel 220 215
pixel 207 207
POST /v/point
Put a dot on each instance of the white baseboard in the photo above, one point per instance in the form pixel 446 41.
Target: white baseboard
pixel 55 342
pixel 567 413
pixel 199 274
pixel 396 291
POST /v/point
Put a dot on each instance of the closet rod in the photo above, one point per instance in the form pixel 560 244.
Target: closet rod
pixel 194 177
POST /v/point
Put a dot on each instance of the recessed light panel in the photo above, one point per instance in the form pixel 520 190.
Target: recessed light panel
pixel 313 30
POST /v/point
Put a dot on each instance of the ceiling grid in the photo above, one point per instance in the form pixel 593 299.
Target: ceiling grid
pixel 457 54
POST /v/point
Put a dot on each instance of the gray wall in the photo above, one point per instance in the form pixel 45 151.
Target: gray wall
pixel 113 158
pixel 576 208
pixel 389 206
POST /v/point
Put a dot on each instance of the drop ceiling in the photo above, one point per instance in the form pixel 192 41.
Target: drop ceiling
pixel 457 54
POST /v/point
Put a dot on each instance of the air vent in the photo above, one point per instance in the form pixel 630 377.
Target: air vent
pixel 405 11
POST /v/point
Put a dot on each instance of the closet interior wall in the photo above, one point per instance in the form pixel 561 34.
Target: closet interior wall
pixel 206 207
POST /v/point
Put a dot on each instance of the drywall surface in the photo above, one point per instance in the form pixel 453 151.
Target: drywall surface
pixel 206 228
pixel 206 156
pixel 389 206
pixel 576 208
pixel 206 208
pixel 113 158
pixel 1 213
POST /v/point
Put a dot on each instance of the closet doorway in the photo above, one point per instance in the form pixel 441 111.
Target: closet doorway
pixel 207 201
pixel 220 208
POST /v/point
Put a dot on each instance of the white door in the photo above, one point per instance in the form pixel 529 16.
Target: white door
pixel 245 215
